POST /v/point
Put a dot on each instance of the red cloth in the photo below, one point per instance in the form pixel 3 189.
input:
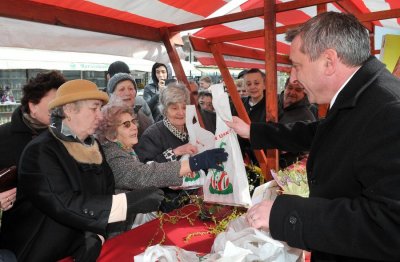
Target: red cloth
pixel 125 246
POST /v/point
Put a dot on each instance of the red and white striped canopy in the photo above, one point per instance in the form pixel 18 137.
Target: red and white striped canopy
pixel 285 19
pixel 145 19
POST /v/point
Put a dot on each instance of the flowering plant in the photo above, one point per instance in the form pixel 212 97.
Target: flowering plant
pixel 254 176
pixel 293 179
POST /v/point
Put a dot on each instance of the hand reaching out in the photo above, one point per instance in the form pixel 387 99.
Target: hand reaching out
pixel 185 149
pixel 239 126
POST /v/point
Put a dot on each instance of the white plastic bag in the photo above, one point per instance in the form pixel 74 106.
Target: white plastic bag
pixel 160 253
pixel 202 139
pixel 229 186
pixel 242 243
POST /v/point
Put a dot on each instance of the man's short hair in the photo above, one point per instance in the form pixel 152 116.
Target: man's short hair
pixel 338 31
pixel 204 93
pixel 255 70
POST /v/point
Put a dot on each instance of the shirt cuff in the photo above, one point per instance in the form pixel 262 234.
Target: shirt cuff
pixel 170 155
pixel 118 209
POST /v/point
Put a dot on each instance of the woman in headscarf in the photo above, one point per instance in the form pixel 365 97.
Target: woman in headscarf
pixel 118 134
pixel 65 199
pixel 123 86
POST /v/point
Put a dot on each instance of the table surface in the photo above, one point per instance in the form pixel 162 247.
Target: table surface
pixel 125 246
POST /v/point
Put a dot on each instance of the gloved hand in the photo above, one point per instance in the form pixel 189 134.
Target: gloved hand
pixel 90 249
pixel 144 200
pixel 208 159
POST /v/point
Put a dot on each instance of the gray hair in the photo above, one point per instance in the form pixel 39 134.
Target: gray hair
pixel 172 94
pixel 338 31
pixel 58 111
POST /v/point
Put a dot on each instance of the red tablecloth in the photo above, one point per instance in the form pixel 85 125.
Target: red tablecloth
pixel 125 246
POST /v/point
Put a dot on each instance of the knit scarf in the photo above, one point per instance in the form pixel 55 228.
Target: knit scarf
pixel 32 123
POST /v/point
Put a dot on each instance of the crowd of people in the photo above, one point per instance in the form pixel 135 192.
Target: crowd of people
pixel 94 164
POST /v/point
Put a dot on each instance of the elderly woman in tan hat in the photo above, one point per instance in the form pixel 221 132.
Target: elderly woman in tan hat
pixel 65 200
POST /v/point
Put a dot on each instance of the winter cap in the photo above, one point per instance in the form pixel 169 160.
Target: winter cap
pixel 118 67
pixel 113 82
pixel 76 90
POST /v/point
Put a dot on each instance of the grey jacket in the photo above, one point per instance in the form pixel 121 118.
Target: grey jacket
pixel 130 173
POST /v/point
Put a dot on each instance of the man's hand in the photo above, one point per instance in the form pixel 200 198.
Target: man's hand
pixel 239 126
pixel 7 199
pixel 258 215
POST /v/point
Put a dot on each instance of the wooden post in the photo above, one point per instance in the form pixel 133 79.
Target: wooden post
pixel 271 76
pixel 178 69
pixel 322 108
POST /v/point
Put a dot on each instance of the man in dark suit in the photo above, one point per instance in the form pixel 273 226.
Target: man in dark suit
pixel 353 211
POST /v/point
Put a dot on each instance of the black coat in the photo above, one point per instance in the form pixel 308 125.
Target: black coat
pixel 155 141
pixel 14 136
pixel 58 199
pixel 154 145
pixel 299 111
pixel 257 113
pixel 353 173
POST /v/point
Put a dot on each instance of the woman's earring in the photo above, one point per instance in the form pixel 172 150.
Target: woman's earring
pixel 68 118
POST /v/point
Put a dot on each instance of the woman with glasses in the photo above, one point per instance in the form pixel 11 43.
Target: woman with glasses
pixel 118 133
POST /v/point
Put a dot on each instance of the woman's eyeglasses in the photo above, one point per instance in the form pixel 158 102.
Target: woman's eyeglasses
pixel 127 124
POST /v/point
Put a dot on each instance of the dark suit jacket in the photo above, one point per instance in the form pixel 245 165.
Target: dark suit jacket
pixel 353 173
pixel 58 199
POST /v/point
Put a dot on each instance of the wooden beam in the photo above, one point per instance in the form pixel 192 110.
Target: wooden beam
pixel 48 14
pixel 351 8
pixel 237 101
pixel 379 15
pixel 271 100
pixel 202 45
pixel 168 39
pixel 248 35
pixel 281 7
pixel 236 37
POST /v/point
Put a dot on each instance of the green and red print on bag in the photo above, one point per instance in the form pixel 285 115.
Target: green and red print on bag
pixel 220 180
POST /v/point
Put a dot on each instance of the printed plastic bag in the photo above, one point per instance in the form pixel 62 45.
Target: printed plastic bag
pixel 201 138
pixel 229 186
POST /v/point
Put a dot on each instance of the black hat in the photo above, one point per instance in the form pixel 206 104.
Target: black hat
pixel 118 67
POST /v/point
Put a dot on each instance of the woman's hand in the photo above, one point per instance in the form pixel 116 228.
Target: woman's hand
pixel 7 199
pixel 185 149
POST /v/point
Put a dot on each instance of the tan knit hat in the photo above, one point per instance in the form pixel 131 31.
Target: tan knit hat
pixel 76 90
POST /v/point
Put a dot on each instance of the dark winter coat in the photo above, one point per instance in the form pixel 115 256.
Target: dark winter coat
pixel 14 136
pixel 353 213
pixel 299 111
pixel 58 199
pixel 156 144
pixel 257 112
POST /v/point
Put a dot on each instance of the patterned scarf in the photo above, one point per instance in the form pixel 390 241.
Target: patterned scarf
pixel 180 135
